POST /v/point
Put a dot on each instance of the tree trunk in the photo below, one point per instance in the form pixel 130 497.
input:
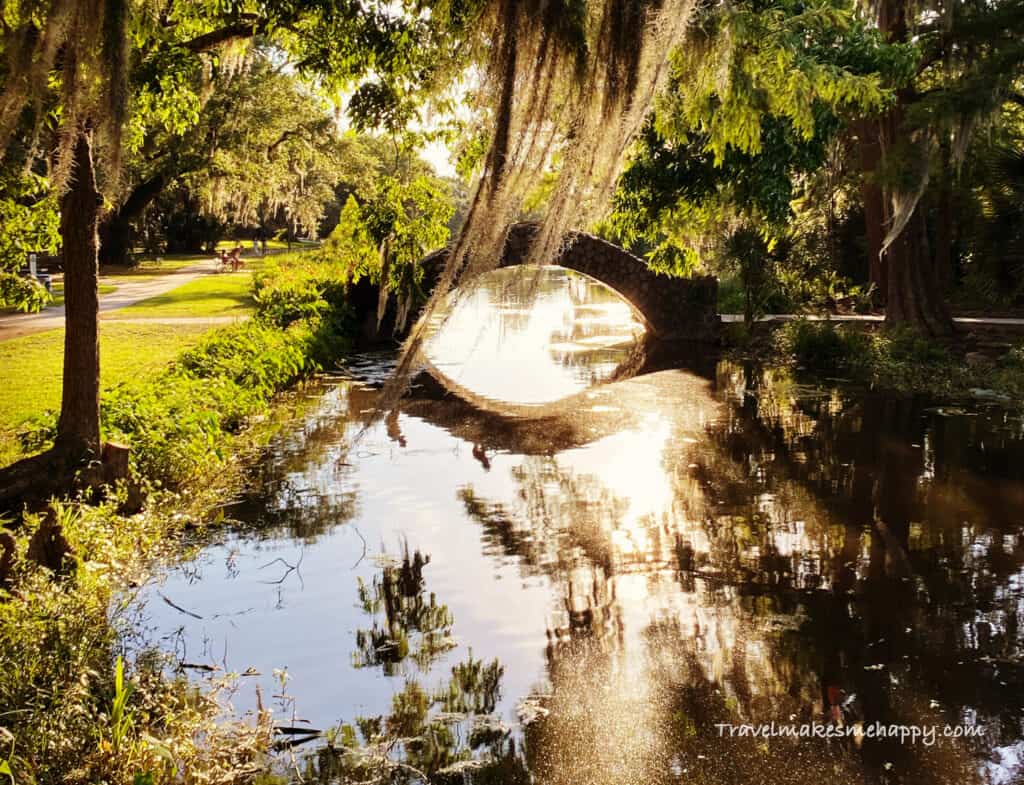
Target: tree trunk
pixel 116 230
pixel 78 430
pixel 874 204
pixel 946 228
pixel 915 297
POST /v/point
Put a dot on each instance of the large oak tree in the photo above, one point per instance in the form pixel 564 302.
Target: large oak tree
pixel 83 80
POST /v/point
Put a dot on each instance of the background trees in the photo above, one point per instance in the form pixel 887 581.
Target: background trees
pixel 747 127
pixel 890 185
pixel 86 85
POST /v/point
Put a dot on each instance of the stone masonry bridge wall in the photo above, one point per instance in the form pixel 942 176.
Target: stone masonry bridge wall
pixel 674 308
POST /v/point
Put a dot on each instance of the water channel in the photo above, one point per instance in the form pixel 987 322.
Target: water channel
pixel 562 562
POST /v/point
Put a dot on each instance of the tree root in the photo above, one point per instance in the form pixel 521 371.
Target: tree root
pixel 29 484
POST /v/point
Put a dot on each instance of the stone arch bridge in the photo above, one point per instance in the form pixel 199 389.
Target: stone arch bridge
pixel 673 308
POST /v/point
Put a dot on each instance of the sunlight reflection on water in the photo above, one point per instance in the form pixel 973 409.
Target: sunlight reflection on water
pixel 533 337
pixel 600 584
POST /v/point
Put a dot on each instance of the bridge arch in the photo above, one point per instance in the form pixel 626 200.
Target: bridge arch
pixel 673 308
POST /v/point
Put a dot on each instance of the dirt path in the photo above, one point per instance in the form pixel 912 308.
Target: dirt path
pixel 128 293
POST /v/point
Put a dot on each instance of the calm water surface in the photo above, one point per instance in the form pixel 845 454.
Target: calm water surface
pixel 559 564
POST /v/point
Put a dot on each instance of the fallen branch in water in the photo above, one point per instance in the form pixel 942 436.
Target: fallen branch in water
pixel 291 568
pixel 177 607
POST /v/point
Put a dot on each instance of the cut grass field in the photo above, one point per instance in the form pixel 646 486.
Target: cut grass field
pixel 33 365
pixel 152 268
pixel 221 294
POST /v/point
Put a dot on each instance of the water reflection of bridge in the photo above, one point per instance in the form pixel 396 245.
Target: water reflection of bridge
pixel 684 388
pixel 812 548
pixel 762 549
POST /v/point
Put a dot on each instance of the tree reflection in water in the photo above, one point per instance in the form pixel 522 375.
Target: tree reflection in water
pixel 739 549
pixel 399 594
pixel 439 734
pixel 823 557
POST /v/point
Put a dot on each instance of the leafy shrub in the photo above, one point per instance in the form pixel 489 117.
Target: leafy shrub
pixel 177 424
pixel 899 360
pixel 299 286
pixel 822 347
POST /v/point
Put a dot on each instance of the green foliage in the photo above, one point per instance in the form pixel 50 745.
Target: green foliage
pixel 121 718
pixel 675 195
pixel 53 635
pixel 351 245
pixel 23 293
pixel 783 59
pixel 267 149
pixel 301 286
pixel 407 220
pixel 28 223
pixel 745 126
pixel 897 360
pixel 889 355
pixel 824 348
pixel 385 238
pixel 995 266
pixel 752 257
pixel 179 423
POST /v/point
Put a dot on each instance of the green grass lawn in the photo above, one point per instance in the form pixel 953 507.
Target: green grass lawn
pixel 221 294
pixel 272 245
pixel 154 267
pixel 32 367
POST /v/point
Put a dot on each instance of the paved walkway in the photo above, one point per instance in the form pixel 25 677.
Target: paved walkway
pixel 128 293
pixel 990 321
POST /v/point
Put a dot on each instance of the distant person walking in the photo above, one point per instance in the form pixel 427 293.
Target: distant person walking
pixel 255 246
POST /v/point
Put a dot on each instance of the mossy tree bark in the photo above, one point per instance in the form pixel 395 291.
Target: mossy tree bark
pixel 78 429
pixel 914 295
pixel 874 206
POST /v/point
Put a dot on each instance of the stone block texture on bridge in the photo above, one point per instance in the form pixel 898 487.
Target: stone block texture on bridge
pixel 673 308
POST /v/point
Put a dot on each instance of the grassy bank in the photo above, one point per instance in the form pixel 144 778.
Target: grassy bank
pixel 33 366
pixel 898 361
pixel 71 710
pixel 223 294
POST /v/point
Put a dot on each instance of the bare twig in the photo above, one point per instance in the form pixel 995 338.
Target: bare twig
pixel 177 607
pixel 291 568
pixel 361 537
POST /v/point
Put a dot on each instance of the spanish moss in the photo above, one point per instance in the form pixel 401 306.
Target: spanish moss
pixel 567 87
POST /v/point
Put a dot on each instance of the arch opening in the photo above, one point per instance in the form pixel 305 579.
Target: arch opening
pixel 531 336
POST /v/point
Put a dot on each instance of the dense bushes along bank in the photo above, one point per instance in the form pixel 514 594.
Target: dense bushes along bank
pixel 67 712
pixel 179 424
pixel 899 361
